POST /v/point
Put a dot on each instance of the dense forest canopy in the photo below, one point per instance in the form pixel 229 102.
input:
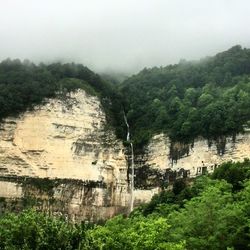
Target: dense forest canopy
pixel 208 98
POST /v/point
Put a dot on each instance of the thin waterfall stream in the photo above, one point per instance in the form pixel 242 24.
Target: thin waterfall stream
pixel 132 164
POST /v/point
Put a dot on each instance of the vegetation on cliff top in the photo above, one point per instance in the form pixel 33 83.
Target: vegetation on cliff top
pixel 212 213
pixel 208 98
pixel 25 84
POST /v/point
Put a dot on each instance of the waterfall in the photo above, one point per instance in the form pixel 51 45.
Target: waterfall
pixel 126 122
pixel 132 164
pixel 132 177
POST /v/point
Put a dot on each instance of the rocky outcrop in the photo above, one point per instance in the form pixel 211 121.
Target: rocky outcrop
pixel 164 161
pixel 65 138
pixel 63 158
pixel 74 199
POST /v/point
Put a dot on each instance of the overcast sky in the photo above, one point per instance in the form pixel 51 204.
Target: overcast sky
pixel 121 35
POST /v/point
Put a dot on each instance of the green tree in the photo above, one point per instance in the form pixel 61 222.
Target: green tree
pixel 212 220
pixel 137 233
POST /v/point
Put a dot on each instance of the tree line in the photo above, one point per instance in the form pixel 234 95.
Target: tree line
pixel 208 98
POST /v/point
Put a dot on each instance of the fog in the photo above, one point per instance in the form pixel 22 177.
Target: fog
pixel 121 35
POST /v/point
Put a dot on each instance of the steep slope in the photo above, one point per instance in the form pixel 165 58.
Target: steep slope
pixel 189 117
pixel 208 98
pixel 65 138
pixel 64 149
pixel 162 161
pixel 64 158
pixel 67 141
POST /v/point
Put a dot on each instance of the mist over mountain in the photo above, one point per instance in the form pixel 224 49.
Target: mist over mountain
pixel 122 36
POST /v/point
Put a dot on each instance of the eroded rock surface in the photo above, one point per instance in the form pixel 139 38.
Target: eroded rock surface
pixel 65 138
pixel 61 157
pixel 201 155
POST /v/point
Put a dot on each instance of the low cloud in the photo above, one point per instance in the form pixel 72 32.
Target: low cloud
pixel 121 35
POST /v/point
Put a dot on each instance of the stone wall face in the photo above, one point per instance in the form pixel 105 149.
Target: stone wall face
pixel 62 158
pixel 201 155
pixel 72 199
pixel 65 139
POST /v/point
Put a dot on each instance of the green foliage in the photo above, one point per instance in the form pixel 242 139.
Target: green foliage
pixel 169 200
pixel 137 233
pixel 209 214
pixel 33 230
pixel 234 173
pixel 165 197
pixel 213 220
pixel 208 98
pixel 71 84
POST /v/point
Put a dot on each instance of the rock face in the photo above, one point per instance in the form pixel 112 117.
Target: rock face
pixel 65 139
pixel 74 199
pixel 162 156
pixel 62 158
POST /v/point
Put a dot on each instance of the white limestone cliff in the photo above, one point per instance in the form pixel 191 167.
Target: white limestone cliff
pixel 201 155
pixel 67 139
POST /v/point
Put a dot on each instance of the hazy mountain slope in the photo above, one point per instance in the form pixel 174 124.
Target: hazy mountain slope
pixel 210 97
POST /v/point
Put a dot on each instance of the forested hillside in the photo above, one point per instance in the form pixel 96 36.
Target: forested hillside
pixel 209 98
